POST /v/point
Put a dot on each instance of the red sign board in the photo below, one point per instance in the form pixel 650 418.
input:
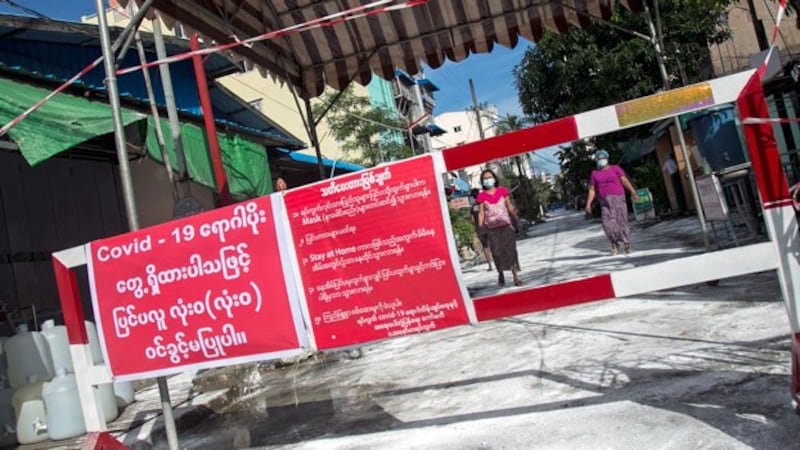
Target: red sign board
pixel 375 255
pixel 204 291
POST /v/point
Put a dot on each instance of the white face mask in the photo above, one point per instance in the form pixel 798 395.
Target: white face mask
pixel 602 163
pixel 489 182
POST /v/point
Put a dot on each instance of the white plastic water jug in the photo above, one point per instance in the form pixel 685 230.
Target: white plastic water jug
pixel 56 336
pixel 94 343
pixel 108 402
pixel 28 354
pixel 7 422
pixel 63 407
pixel 31 419
pixel 123 391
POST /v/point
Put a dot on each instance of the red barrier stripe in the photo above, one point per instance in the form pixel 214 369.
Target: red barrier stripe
pixel 67 284
pixel 764 154
pixel 536 137
pixel 544 297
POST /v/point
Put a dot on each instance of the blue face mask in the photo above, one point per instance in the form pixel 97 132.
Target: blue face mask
pixel 602 163
pixel 489 182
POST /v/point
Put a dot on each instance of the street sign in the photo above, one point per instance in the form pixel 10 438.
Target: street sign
pixel 204 291
pixel 375 255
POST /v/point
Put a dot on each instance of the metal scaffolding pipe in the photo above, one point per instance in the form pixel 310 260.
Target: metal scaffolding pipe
pixel 169 97
pixel 127 182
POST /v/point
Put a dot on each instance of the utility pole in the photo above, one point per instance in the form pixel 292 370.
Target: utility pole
pixel 476 108
pixel 677 123
pixel 758 26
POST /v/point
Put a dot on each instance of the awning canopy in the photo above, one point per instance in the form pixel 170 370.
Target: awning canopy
pixel 431 31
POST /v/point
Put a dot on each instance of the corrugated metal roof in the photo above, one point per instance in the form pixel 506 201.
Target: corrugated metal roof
pixel 55 51
pixel 311 159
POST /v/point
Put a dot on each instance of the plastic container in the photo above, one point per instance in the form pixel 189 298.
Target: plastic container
pixel 56 336
pixel 63 407
pixel 94 343
pixel 717 137
pixel 108 401
pixel 31 418
pixel 7 422
pixel 28 354
pixel 123 391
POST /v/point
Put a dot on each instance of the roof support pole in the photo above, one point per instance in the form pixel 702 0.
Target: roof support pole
pixel 312 135
pixel 127 185
pixel 211 129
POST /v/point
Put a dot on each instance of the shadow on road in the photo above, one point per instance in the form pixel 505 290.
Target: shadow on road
pixel 688 388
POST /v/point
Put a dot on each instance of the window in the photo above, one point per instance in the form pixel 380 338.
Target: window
pixel 179 31
pixel 457 129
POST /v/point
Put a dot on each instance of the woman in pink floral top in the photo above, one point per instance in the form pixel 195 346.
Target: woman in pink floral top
pixel 495 214
pixel 608 184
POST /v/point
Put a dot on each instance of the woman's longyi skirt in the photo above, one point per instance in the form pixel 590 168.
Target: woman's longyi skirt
pixel 503 242
pixel 615 219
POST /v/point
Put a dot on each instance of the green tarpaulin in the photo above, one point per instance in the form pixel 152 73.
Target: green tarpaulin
pixel 245 162
pixel 60 124
pixel 66 121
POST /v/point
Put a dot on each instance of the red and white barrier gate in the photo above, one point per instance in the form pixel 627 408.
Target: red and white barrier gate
pixel 352 273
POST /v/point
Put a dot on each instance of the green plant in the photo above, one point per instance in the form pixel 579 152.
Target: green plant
pixel 463 230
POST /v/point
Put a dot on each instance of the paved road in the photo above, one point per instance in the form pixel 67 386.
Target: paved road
pixel 696 367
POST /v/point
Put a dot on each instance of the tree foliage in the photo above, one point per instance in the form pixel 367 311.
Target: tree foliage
pixel 369 135
pixel 602 65
pixel 585 69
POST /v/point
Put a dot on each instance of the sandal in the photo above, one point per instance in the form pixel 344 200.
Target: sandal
pixel 613 249
pixel 627 248
pixel 501 280
pixel 517 281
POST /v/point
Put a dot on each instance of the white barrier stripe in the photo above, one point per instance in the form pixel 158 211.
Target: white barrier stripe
pixel 90 403
pixel 782 226
pixel 775 33
pixel 605 120
pixel 767 120
pixel 72 257
pixel 597 121
pixel 695 269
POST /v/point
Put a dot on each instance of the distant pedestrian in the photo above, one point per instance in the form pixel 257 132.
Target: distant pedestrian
pixel 608 183
pixel 280 184
pixel 480 230
pixel 671 169
pixel 497 214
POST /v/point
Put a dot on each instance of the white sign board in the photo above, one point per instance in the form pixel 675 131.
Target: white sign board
pixel 710 192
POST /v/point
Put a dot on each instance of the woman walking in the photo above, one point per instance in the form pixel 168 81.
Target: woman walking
pixel 495 214
pixel 608 184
